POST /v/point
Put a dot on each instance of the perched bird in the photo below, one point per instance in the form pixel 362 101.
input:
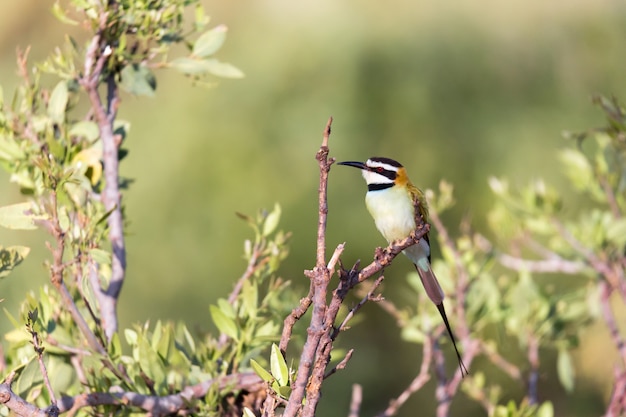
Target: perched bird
pixel 395 204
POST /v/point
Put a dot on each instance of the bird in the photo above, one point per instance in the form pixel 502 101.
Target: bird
pixel 396 204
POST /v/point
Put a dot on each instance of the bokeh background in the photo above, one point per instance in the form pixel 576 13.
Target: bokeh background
pixel 456 90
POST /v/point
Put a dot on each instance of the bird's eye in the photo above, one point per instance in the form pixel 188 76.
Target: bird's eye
pixel 379 170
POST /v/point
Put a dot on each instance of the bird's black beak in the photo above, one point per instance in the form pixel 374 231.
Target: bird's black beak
pixel 359 165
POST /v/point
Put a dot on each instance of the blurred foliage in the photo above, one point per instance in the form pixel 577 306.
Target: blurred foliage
pixel 464 91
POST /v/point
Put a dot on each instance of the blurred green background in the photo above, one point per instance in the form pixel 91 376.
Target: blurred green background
pixel 456 89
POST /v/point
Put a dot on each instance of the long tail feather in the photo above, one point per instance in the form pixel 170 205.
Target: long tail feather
pixel 435 293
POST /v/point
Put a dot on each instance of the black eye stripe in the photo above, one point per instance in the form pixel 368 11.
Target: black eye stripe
pixel 385 172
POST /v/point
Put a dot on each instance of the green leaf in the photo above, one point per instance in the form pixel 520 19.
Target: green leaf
pixel 10 150
pixel 577 167
pixel 565 370
pixel 224 323
pixel 58 102
pixel 284 392
pixel 101 256
pixel 189 66
pixel 139 80
pixel 85 128
pixel 210 41
pixel 616 231
pixel 201 19
pixel 271 221
pixel 17 217
pixel 260 371
pixel 29 378
pixel 59 13
pixel 131 336
pixel 250 298
pixel 11 257
pixel 223 69
pixel 545 410
pixel 150 361
pixel 279 366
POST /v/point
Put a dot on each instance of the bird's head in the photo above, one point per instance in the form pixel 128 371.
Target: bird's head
pixel 379 172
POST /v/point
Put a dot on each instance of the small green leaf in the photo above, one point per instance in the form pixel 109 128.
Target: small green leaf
pixel 223 69
pixel 250 298
pixel 29 378
pixel 271 221
pixel 11 257
pixel 616 231
pixel 545 410
pixel 565 370
pixel 578 167
pixel 201 19
pixel 139 80
pixel 131 336
pixel 58 102
pixel 210 41
pixel 279 366
pixel 189 66
pixel 260 371
pixel 224 323
pixel 150 361
pixel 101 256
pixel 85 128
pixel 59 13
pixel 9 149
pixel 284 392
pixel 17 217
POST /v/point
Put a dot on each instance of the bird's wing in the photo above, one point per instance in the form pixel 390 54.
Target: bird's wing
pixel 421 207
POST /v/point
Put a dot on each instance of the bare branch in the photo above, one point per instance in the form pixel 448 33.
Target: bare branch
pixel 155 405
pixel 552 265
pixel 497 359
pixel 319 281
pixel 611 323
pixel 341 365
pixel 418 382
pixel 355 402
pixel 533 374
pixel 617 403
pixel 53 409
pixel 353 310
pixel 96 57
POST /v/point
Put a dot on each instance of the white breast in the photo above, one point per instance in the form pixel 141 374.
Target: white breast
pixel 392 210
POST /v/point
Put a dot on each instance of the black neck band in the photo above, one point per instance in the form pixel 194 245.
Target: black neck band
pixel 378 187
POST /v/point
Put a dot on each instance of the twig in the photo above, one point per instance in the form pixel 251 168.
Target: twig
pixel 341 365
pixel 253 265
pixel 611 323
pixel 53 410
pixel 533 373
pixel 418 382
pixel 291 320
pixel 497 359
pixel 441 392
pixel 552 265
pixel 96 57
pixel 353 310
pixel 56 275
pixel 320 278
pixel 355 402
pixel 155 405
pixel 617 404
pixel 610 197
